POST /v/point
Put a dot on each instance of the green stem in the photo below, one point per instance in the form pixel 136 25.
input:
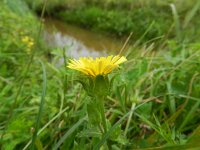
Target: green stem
pixel 102 111
pixel 41 107
pixel 100 128
pixel 129 118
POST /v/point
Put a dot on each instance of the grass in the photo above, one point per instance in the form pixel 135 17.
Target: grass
pixel 154 103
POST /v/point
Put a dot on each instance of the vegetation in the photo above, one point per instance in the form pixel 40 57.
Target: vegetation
pixel 155 97
pixel 118 18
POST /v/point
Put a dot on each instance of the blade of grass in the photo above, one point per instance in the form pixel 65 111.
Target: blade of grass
pixel 125 44
pixel 176 21
pixel 46 125
pixel 69 132
pixel 64 82
pixel 172 102
pixel 189 115
pixel 41 107
pixel 174 147
pixel 129 119
pixel 181 108
pixel 106 135
pixel 190 97
pixel 157 127
pixel 143 35
pixel 195 54
pixel 195 136
pixel 191 14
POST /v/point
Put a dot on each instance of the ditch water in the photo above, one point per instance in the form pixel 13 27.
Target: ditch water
pixel 78 41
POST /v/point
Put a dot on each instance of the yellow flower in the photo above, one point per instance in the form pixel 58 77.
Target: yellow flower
pixel 98 66
pixel 25 39
pixel 30 44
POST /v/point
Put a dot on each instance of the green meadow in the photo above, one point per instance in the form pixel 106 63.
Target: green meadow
pixel 152 101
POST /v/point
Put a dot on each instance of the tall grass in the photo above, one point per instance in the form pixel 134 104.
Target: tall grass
pixel 154 103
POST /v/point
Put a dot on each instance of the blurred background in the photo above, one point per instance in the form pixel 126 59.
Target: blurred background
pixel 92 27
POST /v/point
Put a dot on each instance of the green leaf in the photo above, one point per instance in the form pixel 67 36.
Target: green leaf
pixel 91 132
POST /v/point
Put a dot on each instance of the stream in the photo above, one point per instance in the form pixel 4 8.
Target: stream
pixel 77 41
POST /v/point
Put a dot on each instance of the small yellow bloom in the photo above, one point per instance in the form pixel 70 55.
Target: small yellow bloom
pixel 98 66
pixel 28 41
pixel 30 44
pixel 25 39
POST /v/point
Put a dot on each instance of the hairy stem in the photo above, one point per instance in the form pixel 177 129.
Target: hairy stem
pixel 102 111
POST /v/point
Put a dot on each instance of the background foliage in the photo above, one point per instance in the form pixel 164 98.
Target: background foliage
pixel 119 18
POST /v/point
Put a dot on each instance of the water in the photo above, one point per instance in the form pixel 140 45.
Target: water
pixel 78 41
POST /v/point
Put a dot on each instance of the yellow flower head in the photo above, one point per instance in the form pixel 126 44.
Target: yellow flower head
pixel 25 39
pixel 98 66
pixel 30 44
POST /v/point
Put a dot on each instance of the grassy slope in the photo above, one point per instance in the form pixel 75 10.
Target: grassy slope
pixel 163 87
